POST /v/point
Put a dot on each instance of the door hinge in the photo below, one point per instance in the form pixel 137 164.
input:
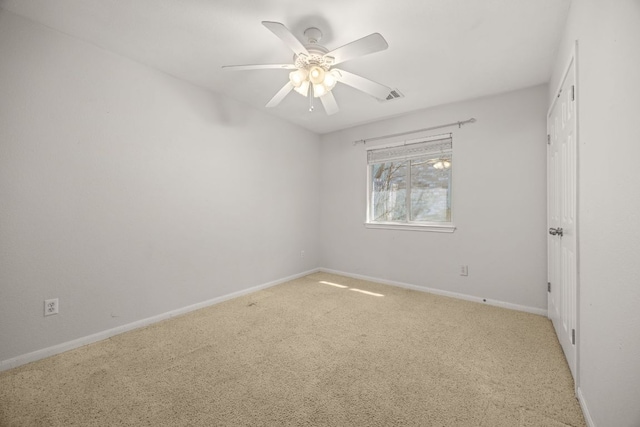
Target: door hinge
pixel 573 336
pixel 548 139
pixel 548 286
pixel 573 93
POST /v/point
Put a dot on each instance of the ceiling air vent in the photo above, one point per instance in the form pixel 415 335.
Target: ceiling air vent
pixel 394 94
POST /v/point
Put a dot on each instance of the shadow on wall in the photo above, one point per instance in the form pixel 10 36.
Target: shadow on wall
pixel 228 112
pixel 218 109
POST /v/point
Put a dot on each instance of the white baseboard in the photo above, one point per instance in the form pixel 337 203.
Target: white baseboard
pixel 89 339
pixel 533 310
pixel 585 410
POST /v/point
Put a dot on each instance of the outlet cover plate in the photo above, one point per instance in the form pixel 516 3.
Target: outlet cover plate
pixel 50 306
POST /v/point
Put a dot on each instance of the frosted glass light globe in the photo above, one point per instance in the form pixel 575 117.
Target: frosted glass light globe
pixel 319 90
pixel 316 75
pixel 297 77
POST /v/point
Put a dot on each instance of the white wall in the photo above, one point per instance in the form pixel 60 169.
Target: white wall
pixel 124 193
pixel 608 34
pixel 127 193
pixel 499 204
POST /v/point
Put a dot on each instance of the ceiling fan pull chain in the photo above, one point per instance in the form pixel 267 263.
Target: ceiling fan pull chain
pixel 311 98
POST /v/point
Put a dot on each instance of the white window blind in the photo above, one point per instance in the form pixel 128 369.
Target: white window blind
pixel 440 146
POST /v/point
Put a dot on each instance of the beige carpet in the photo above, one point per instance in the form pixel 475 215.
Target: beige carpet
pixel 307 353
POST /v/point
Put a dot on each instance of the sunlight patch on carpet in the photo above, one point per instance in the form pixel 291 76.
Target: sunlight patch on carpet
pixel 374 294
pixel 333 284
pixel 366 292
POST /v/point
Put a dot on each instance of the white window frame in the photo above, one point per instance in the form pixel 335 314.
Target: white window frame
pixel 440 227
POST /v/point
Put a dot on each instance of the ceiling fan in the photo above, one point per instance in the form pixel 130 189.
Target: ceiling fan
pixel 313 74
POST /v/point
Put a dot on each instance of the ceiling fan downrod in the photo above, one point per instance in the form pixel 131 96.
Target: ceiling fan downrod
pixel 313 35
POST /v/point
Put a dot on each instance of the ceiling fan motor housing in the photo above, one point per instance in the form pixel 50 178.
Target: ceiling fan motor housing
pixel 316 52
pixel 315 57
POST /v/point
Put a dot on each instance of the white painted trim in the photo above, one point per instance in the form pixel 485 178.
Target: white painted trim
pixel 413 227
pixel 496 303
pixel 578 216
pixel 572 60
pixel 565 73
pixel 89 339
pixel 99 336
pixel 585 410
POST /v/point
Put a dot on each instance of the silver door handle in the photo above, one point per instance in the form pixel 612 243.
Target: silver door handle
pixel 556 231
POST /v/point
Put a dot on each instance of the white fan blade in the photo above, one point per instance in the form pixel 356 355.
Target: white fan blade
pixel 280 95
pixel 329 103
pixel 260 67
pixel 365 85
pixel 285 35
pixel 364 46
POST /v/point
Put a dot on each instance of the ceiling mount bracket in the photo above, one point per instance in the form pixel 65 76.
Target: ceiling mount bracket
pixel 313 35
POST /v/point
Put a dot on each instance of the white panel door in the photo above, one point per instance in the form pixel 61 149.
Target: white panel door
pixel 562 201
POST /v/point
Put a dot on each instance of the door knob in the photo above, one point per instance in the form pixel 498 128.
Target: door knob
pixel 556 231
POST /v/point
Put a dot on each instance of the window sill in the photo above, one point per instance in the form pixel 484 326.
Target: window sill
pixel 437 228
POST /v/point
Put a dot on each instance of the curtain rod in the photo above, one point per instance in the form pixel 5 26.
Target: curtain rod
pixel 459 124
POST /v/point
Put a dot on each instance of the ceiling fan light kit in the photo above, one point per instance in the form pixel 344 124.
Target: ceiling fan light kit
pixel 313 75
pixel 317 78
pixel 442 164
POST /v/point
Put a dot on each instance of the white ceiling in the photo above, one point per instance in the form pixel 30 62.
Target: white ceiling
pixel 440 51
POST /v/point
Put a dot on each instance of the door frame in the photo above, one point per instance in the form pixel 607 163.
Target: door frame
pixel 572 60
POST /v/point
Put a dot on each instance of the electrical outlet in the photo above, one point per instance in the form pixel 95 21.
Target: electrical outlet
pixel 464 270
pixel 301 254
pixel 50 306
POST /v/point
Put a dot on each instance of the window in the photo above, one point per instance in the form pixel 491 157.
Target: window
pixel 409 185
